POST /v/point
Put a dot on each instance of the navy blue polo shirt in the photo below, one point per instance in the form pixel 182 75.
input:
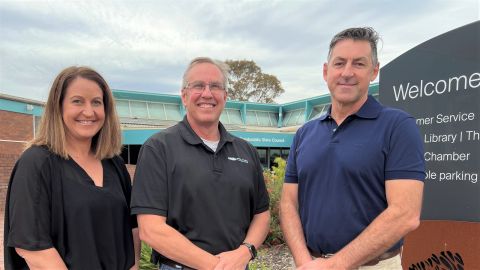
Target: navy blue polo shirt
pixel 341 171
pixel 208 196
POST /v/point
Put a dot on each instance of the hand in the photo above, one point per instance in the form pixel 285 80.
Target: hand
pixel 234 260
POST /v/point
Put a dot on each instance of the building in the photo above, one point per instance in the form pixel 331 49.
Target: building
pixel 269 127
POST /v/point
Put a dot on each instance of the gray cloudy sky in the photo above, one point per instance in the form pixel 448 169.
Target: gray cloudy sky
pixel 145 45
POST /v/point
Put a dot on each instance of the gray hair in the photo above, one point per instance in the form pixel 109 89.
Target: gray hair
pixel 358 33
pixel 219 64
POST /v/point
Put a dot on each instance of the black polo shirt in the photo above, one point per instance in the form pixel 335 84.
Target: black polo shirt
pixel 209 197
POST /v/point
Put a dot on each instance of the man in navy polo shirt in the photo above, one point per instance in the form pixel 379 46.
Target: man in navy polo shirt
pixel 199 193
pixel 354 180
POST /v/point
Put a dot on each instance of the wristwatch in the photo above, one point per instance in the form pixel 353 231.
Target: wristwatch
pixel 252 249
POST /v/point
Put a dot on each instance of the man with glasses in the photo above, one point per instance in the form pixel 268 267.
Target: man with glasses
pixel 354 179
pixel 199 193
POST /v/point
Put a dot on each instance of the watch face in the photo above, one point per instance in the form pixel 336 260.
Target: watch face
pixel 254 252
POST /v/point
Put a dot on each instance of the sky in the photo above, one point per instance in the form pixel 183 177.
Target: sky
pixel 145 45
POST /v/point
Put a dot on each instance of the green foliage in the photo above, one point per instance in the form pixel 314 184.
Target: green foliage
pixel 247 82
pixel 145 263
pixel 279 170
pixel 274 182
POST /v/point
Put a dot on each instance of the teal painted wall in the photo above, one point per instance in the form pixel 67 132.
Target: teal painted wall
pixel 20 107
pixel 257 139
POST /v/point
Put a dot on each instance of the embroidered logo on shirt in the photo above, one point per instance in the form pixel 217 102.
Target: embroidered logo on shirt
pixel 238 159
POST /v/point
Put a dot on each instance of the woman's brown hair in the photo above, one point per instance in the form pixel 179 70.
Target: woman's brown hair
pixel 51 133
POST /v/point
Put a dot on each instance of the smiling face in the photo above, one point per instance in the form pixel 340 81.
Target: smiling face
pixel 83 110
pixel 204 108
pixel 349 72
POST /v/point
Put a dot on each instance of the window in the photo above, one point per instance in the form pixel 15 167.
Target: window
pixel 318 111
pixel 293 118
pixel 123 108
pixel 130 153
pixel 262 118
pixel 262 152
pixel 172 112
pixel 231 116
pixel 157 111
pixel 139 109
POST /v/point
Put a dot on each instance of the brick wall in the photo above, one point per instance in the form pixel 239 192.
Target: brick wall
pixel 16 126
pixel 6 165
pixel 15 130
pixel 11 148
pixel 3 195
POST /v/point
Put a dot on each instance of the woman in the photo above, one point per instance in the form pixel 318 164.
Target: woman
pixel 68 198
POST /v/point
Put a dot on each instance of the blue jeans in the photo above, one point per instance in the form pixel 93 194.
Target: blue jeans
pixel 166 267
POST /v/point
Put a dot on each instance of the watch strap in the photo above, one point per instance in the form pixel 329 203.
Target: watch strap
pixel 251 249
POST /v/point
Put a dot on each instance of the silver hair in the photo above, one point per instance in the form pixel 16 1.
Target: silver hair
pixel 358 33
pixel 219 64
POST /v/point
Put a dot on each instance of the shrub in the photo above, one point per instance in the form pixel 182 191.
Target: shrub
pixel 145 263
pixel 274 182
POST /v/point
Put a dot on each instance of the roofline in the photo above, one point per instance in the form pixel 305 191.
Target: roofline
pixel 21 99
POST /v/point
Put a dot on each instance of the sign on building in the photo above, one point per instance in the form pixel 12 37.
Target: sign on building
pixel 438 83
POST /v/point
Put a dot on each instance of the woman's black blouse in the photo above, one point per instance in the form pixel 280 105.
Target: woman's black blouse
pixel 52 202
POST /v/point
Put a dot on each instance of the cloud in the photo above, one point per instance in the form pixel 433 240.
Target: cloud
pixel 145 45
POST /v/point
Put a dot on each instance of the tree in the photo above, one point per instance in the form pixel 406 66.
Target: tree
pixel 247 82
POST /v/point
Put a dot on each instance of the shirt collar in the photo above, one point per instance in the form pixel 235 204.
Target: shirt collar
pixel 370 110
pixel 191 137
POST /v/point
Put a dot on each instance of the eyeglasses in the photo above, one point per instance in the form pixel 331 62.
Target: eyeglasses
pixel 199 87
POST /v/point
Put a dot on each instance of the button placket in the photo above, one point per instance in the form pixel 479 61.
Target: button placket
pixel 216 164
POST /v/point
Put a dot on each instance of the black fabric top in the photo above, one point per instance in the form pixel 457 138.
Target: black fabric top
pixel 209 197
pixel 52 202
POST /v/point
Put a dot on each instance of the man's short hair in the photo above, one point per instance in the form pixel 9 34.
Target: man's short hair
pixel 219 64
pixel 358 33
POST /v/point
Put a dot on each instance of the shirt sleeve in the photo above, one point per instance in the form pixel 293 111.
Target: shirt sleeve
pixel 149 192
pixel 263 200
pixel 127 186
pixel 291 170
pixel 405 154
pixel 28 203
